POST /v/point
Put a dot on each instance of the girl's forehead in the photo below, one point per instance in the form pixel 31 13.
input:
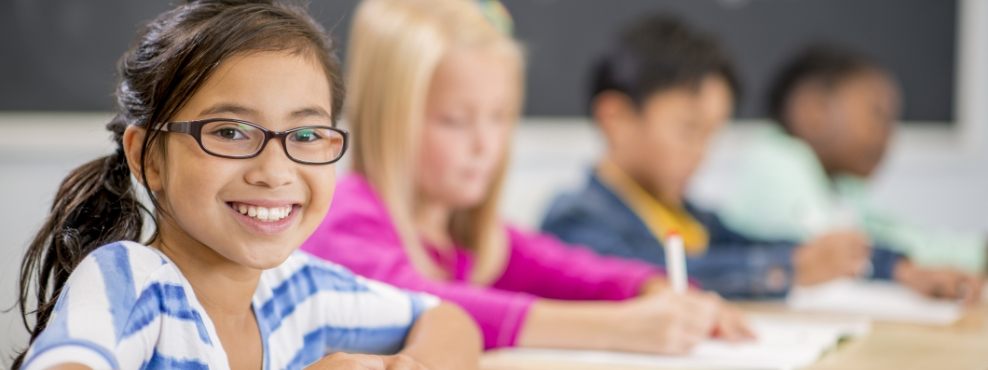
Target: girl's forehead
pixel 271 85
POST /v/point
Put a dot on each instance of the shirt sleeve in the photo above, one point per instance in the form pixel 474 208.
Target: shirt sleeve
pixel 365 316
pixel 781 193
pixel 883 263
pixel 380 256
pixel 86 321
pixel 733 265
pixel 929 246
pixel 741 267
pixel 923 245
pixel 544 266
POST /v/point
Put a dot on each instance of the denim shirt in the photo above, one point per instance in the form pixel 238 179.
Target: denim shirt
pixel 734 265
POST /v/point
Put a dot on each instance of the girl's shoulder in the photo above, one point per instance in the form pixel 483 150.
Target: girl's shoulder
pixel 111 301
pixel 128 268
pixel 132 261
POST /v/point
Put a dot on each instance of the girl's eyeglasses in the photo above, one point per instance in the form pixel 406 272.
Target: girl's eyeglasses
pixel 239 139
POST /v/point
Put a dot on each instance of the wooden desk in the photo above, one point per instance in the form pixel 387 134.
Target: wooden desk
pixel 963 345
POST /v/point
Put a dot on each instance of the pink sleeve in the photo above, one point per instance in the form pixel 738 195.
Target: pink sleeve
pixel 364 241
pixel 544 266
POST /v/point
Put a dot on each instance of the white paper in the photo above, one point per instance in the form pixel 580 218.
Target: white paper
pixel 782 343
pixel 878 300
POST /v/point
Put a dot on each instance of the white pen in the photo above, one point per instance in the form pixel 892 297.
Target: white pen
pixel 676 262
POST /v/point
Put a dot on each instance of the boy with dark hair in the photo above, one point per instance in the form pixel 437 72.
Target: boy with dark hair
pixel 659 97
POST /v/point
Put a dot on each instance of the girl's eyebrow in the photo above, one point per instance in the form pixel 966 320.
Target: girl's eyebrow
pixel 240 110
pixel 313 111
pixel 229 108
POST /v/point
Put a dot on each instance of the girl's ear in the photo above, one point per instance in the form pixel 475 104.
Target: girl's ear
pixel 133 141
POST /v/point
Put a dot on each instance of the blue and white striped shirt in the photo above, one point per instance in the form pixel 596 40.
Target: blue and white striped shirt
pixel 127 306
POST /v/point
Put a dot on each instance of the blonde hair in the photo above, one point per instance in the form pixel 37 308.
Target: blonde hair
pixel 395 48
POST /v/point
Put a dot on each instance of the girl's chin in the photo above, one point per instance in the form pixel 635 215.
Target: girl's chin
pixel 465 194
pixel 263 257
pixel 468 200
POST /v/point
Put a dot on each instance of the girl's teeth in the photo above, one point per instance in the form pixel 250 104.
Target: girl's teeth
pixel 262 213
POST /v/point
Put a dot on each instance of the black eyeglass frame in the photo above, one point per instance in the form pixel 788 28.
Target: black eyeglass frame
pixel 194 129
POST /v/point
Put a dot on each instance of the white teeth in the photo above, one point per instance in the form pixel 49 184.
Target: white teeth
pixel 263 213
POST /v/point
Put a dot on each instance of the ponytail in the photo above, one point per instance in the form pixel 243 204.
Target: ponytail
pixel 172 57
pixel 95 204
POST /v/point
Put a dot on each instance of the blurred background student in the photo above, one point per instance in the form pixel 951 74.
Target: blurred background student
pixel 659 97
pixel 435 93
pixel 836 111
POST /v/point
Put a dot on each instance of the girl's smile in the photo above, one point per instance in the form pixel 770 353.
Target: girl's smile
pixel 267 217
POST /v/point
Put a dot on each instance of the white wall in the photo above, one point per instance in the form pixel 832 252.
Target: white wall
pixel 972 78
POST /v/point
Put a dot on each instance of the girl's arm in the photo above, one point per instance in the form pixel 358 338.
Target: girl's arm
pixel 547 267
pixel 663 322
pixel 445 337
pixel 499 313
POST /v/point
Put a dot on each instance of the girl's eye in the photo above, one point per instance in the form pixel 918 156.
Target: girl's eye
pixel 449 119
pixel 229 133
pixel 453 122
pixel 305 136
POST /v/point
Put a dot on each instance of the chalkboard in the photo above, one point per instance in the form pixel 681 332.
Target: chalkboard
pixel 60 54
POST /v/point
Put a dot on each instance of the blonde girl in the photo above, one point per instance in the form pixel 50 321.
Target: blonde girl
pixel 436 90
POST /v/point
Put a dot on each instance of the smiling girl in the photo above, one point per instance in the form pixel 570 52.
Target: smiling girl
pixel 227 119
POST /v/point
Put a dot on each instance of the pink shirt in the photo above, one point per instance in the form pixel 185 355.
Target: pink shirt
pixel 359 234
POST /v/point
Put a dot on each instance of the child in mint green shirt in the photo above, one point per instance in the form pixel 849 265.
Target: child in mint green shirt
pixel 836 111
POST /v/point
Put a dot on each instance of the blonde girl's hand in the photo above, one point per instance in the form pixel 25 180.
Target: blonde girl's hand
pixel 663 323
pixel 732 325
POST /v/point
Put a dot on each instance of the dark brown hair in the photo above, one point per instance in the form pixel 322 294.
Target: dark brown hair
pixel 172 57
pixel 660 52
pixel 825 63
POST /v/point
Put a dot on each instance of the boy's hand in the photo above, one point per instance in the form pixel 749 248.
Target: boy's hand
pixel 830 256
pixel 349 361
pixel 940 282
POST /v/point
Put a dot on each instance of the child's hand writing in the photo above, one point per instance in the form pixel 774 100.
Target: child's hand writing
pixel 670 323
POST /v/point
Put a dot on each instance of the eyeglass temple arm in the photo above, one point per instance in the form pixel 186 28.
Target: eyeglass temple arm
pixel 179 127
